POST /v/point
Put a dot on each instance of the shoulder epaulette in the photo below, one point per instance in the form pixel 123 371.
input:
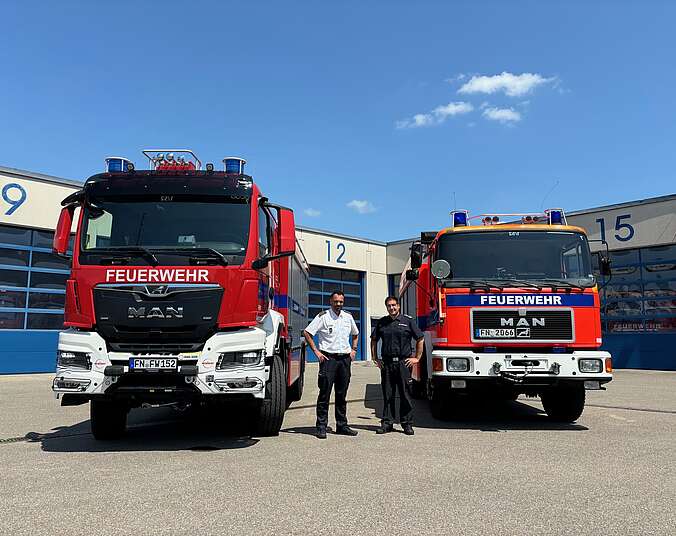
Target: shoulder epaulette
pixel 322 313
pixel 409 317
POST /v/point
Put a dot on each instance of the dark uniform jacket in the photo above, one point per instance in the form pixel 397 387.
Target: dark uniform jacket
pixel 396 334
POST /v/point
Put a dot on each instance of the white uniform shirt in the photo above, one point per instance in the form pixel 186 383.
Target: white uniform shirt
pixel 333 331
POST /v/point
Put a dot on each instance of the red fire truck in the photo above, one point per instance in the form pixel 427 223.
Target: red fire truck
pixel 507 309
pixel 187 287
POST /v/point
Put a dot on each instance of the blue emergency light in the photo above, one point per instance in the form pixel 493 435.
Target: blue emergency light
pixel 117 164
pixel 556 216
pixel 459 218
pixel 234 164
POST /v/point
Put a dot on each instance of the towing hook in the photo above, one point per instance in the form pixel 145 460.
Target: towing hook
pixel 555 368
pixel 496 368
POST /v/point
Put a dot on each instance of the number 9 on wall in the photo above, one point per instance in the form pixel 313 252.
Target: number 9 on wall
pixel 14 195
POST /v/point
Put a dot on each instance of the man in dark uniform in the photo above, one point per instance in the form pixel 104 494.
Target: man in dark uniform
pixel 396 331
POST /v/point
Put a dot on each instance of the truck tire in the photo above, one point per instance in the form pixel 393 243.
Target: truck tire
pixel 439 402
pixel 271 409
pixel 564 403
pixel 108 419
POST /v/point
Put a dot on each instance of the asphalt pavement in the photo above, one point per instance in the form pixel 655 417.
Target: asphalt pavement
pixel 502 469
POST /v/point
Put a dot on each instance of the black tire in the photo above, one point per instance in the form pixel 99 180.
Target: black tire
pixel 439 403
pixel 564 403
pixel 271 409
pixel 108 419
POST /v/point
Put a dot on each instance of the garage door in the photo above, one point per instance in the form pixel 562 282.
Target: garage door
pixel 323 281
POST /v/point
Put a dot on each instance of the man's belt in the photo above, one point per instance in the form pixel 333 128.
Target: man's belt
pixel 334 355
pixel 393 359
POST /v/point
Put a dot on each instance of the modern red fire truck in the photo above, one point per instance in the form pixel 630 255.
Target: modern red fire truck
pixel 187 287
pixel 507 309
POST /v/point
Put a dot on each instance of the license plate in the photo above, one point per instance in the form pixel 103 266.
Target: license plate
pixel 153 363
pixel 498 333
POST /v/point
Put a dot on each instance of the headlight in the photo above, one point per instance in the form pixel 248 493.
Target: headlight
pixel 229 359
pixel 457 364
pixel 590 365
pixel 73 359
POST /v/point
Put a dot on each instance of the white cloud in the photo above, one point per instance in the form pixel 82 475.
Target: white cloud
pixel 456 78
pixel 512 85
pixel 503 115
pixel 312 212
pixel 436 116
pixel 361 207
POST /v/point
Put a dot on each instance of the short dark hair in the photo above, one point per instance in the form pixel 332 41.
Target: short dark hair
pixel 337 293
pixel 392 298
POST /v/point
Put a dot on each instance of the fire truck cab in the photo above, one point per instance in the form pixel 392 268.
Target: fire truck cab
pixel 187 288
pixel 507 308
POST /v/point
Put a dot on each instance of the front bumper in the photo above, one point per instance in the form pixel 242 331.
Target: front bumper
pixel 521 367
pixel 197 374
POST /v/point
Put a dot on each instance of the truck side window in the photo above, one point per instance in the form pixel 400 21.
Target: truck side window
pixel 263 233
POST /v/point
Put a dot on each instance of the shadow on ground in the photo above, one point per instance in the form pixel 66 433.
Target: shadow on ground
pixel 486 416
pixel 156 429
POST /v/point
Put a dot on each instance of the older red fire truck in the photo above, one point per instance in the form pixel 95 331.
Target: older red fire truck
pixel 507 308
pixel 187 287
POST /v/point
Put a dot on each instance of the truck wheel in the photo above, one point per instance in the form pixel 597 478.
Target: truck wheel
pixel 296 390
pixel 439 402
pixel 271 409
pixel 564 403
pixel 108 419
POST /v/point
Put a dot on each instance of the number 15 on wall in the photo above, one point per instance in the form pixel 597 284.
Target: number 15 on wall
pixel 339 252
pixel 624 231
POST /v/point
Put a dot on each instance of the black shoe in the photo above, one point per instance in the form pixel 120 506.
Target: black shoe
pixel 321 433
pixel 408 429
pixel 384 429
pixel 346 430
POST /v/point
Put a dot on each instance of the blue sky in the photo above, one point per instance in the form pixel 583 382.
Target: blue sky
pixel 369 118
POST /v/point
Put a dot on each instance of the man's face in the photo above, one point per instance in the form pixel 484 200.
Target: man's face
pixel 337 302
pixel 392 308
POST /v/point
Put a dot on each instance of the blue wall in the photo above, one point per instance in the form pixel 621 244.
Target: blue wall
pixel 27 351
pixel 642 350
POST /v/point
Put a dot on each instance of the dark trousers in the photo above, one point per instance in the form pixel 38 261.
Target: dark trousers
pixel 335 371
pixel 394 377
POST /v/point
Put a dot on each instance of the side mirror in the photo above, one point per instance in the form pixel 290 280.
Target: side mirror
pixel 416 256
pixel 286 232
pixel 604 266
pixel 412 275
pixel 62 233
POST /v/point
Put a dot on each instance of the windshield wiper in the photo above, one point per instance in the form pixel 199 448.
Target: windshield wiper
pixel 476 283
pixel 563 283
pixel 205 251
pixel 144 252
pixel 521 283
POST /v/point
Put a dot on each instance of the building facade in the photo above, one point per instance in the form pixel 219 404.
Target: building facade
pixel 639 301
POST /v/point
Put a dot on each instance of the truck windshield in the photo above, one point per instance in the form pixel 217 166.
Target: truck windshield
pixel 538 257
pixel 151 228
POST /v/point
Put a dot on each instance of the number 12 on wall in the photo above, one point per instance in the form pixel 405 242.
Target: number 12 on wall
pixel 625 230
pixel 340 249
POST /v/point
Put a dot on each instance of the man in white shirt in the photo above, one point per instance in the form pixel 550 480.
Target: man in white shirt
pixel 338 339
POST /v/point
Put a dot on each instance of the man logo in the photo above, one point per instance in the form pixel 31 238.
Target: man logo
pixel 155 312
pixel 155 290
pixel 522 322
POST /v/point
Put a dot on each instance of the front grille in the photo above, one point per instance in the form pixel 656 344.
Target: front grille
pixel 155 349
pixel 509 325
pixel 157 318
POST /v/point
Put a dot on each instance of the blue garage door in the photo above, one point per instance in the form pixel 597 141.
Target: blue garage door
pixel 323 281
